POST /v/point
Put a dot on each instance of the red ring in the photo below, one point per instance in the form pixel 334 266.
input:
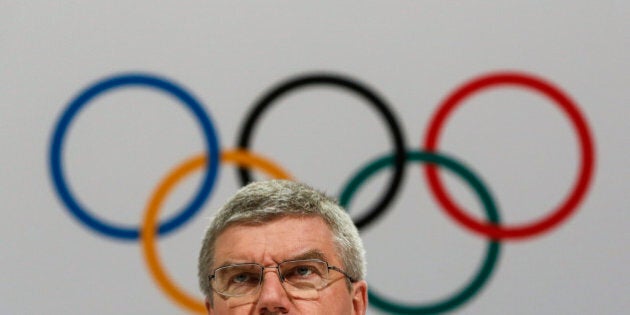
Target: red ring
pixel 566 208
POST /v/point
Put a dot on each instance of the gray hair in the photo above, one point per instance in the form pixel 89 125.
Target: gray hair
pixel 264 201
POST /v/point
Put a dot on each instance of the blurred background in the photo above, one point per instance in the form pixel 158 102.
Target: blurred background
pixel 100 100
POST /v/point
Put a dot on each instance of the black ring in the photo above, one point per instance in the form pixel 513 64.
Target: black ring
pixel 335 80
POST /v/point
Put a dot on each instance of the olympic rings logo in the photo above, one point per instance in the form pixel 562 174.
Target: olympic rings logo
pixel 245 159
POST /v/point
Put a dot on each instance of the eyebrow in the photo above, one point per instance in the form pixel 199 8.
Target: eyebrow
pixel 309 254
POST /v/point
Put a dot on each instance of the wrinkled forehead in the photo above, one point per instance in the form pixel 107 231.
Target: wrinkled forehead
pixel 274 241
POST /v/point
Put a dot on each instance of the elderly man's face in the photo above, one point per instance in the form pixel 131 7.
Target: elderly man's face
pixel 281 240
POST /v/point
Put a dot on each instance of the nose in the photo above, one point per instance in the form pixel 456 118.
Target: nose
pixel 273 297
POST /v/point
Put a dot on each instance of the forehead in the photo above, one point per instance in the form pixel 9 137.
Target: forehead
pixel 275 241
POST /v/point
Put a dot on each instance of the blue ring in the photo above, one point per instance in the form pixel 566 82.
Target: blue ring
pixel 56 148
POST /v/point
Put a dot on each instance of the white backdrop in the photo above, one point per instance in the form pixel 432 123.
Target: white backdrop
pixel 228 54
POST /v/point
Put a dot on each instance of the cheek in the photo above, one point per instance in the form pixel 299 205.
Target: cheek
pixel 305 295
pixel 241 302
pixel 330 302
pixel 234 305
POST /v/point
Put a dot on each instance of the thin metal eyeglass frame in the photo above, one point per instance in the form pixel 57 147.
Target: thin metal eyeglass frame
pixel 281 277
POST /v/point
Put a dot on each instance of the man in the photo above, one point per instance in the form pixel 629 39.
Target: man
pixel 280 247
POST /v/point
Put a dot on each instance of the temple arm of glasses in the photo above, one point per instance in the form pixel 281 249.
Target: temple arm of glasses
pixel 342 272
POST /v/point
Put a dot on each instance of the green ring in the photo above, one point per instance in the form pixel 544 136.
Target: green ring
pixel 492 250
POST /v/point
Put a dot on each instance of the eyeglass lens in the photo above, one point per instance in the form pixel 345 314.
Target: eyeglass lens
pixel 246 279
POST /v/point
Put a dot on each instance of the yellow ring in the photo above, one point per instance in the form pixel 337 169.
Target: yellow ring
pixel 149 223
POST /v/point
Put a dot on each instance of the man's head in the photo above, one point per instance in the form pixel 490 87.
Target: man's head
pixel 271 224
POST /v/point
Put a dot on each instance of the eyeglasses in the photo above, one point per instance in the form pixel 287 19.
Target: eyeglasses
pixel 295 275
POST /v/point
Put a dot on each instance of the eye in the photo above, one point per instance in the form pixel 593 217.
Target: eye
pixel 244 278
pixel 241 278
pixel 303 270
